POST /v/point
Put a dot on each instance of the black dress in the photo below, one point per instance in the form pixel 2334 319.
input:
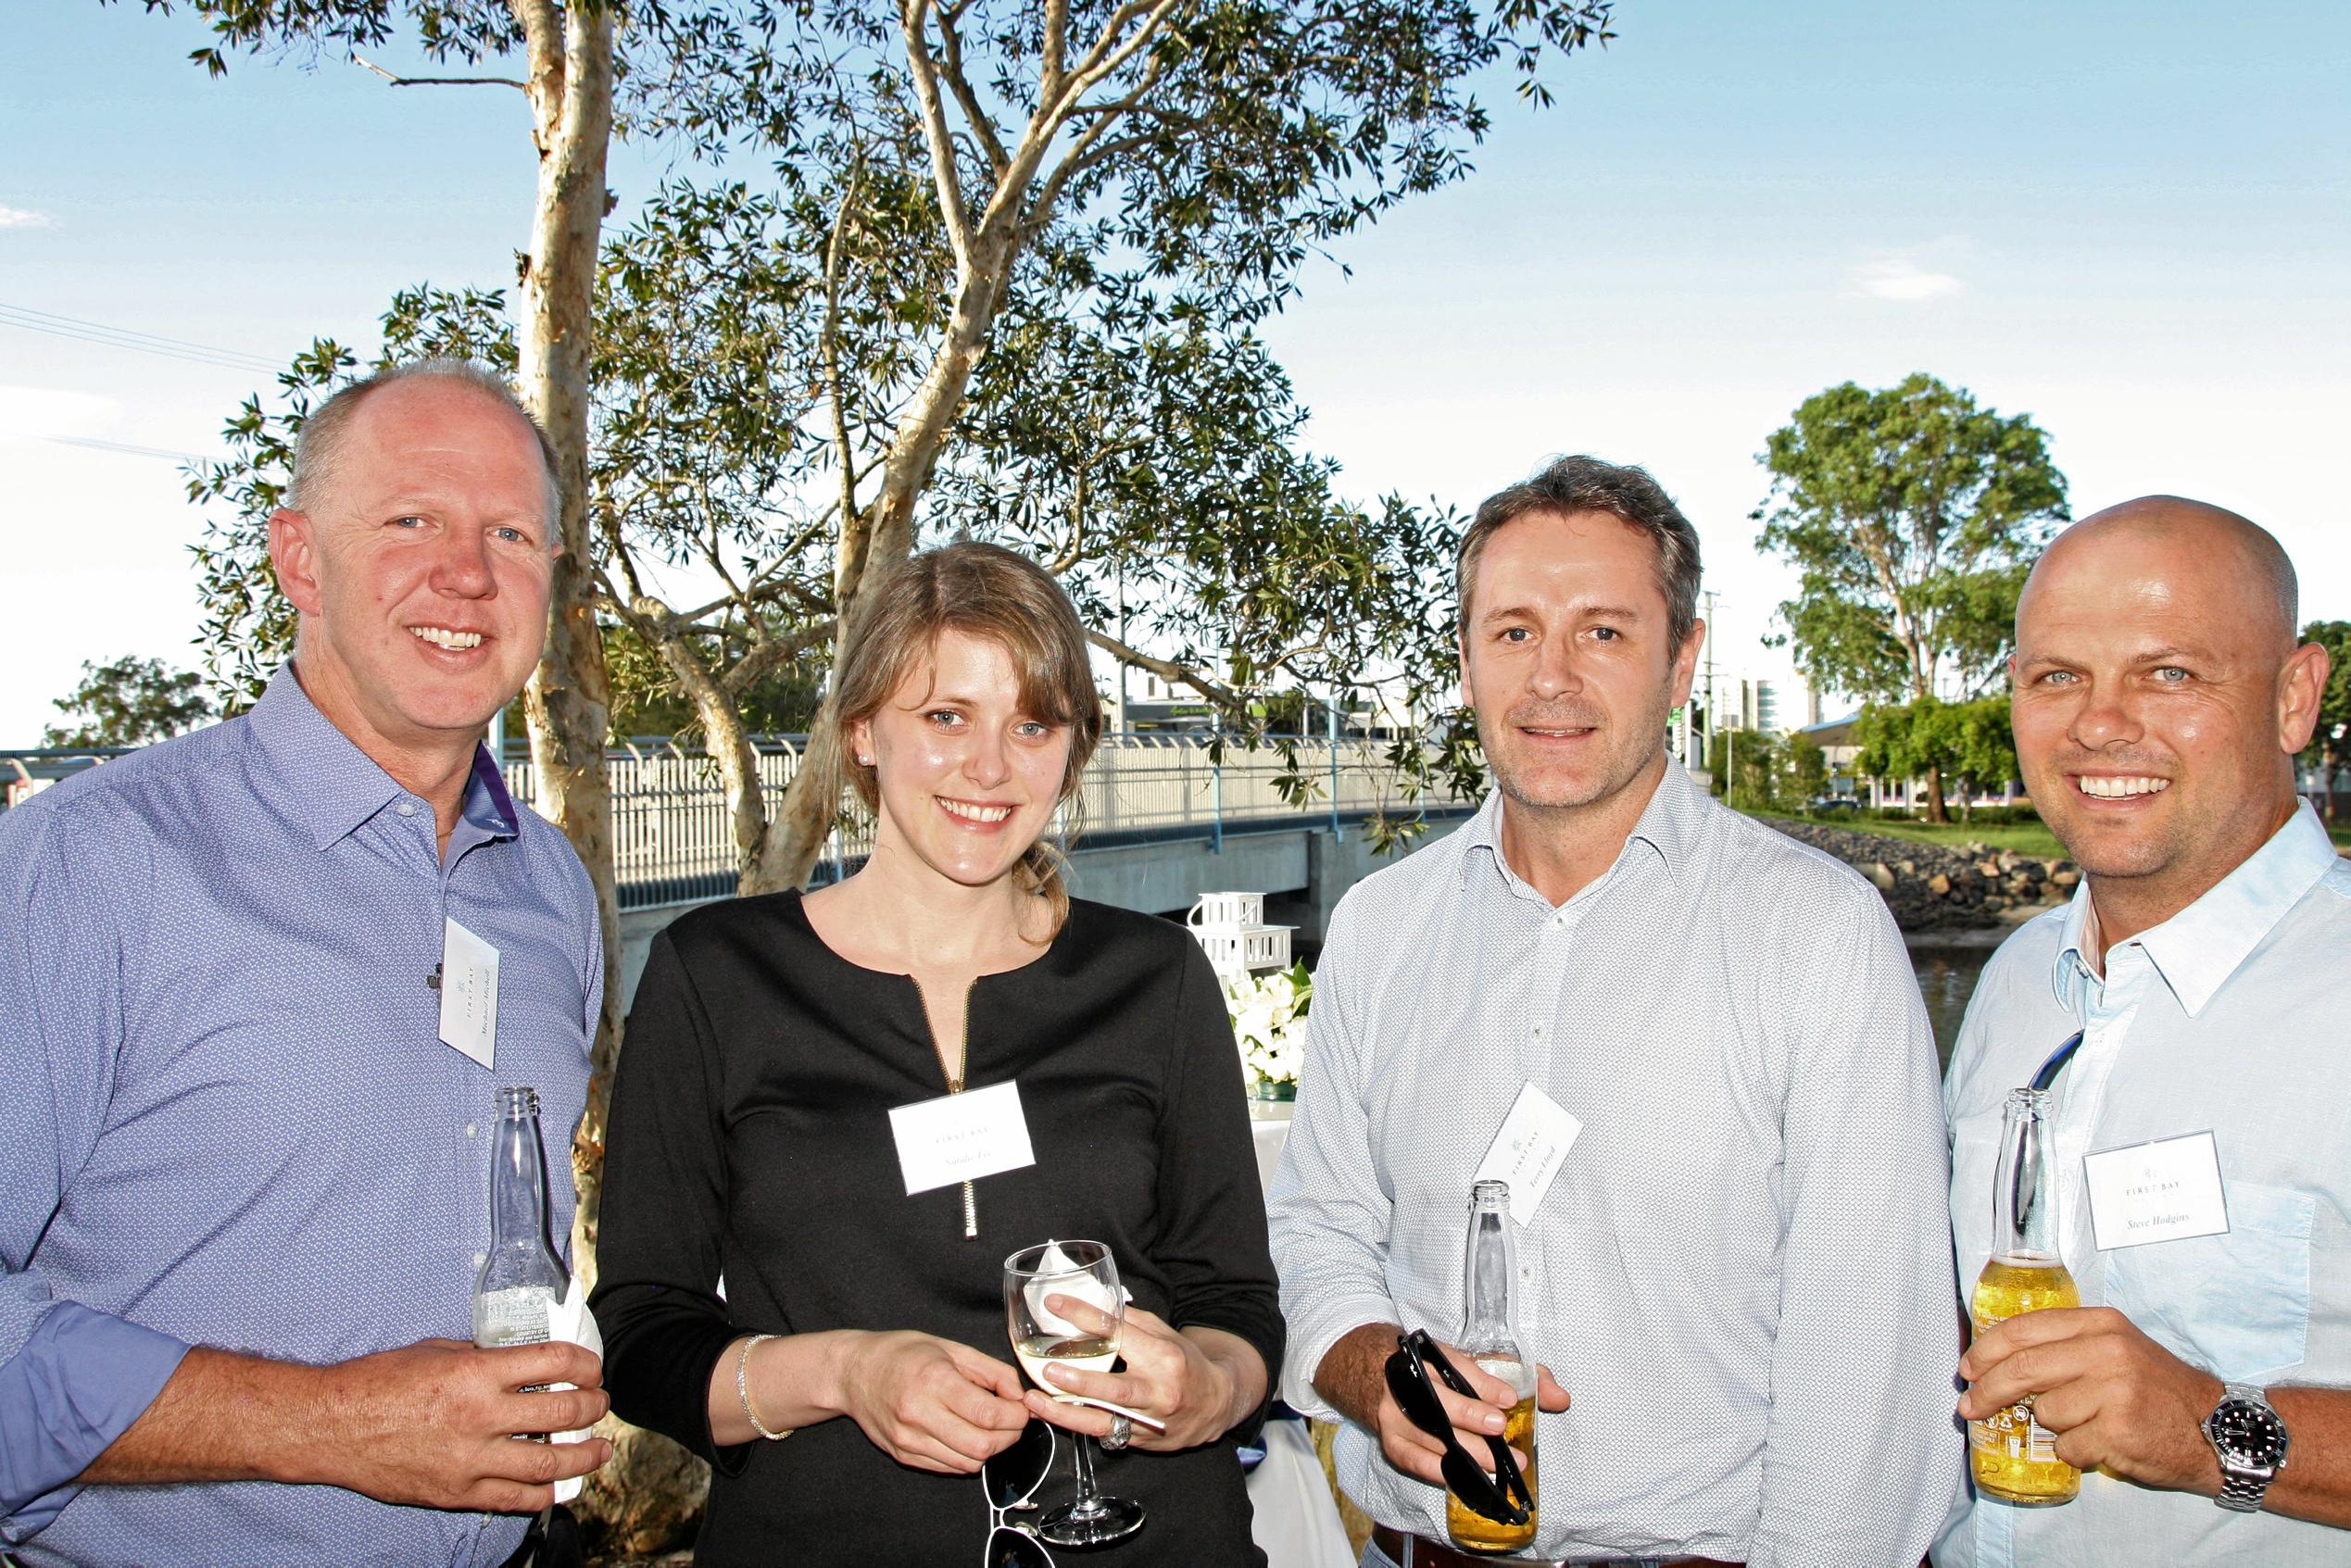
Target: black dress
pixel 749 1139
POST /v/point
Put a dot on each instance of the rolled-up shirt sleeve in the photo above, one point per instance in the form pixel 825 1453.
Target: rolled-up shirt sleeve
pixel 72 1379
pixel 1327 1211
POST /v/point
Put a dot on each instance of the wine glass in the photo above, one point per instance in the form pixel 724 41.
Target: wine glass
pixel 1085 1271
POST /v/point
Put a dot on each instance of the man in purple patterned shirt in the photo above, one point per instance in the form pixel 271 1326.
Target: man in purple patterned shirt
pixel 243 1183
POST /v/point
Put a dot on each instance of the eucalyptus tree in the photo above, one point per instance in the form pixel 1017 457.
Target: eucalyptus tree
pixel 1912 516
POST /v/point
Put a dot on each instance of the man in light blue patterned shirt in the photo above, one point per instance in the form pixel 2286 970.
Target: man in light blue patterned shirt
pixel 2206 961
pixel 1743 1254
pixel 243 1183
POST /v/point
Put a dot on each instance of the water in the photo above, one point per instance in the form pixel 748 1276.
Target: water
pixel 1947 976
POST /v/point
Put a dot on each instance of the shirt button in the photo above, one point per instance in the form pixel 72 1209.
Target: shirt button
pixel 406 807
pixel 479 1258
pixel 469 1129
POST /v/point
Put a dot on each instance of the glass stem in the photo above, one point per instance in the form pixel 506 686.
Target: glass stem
pixel 1090 1502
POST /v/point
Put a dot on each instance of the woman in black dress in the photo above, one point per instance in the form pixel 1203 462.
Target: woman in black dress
pixel 765 1271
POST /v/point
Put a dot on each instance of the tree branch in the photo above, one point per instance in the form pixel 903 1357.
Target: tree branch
pixel 1170 672
pixel 831 341
pixel 935 131
pixel 983 128
pixel 439 81
pixel 772 651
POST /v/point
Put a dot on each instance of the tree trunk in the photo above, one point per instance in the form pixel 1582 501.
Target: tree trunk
pixel 1935 809
pixel 646 1492
pixel 794 839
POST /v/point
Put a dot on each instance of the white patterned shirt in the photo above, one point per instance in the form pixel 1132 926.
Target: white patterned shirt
pixel 1741 1272
pixel 2226 1018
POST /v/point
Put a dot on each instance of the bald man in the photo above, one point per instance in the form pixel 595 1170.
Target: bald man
pixel 2202 1165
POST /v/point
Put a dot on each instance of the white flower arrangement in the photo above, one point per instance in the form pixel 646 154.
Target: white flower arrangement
pixel 1269 1021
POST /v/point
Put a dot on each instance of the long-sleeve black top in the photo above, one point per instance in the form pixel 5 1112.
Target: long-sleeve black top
pixel 749 1141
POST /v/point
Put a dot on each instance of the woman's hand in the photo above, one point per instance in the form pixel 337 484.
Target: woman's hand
pixel 1199 1384
pixel 929 1402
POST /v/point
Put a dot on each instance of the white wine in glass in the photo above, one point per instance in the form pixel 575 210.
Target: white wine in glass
pixel 1083 1271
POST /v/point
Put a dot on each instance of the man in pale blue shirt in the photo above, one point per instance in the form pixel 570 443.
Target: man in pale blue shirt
pixel 2206 963
pixel 243 1181
pixel 1742 1248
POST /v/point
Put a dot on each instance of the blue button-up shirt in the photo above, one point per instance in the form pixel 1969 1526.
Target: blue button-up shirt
pixel 2226 1018
pixel 226 1117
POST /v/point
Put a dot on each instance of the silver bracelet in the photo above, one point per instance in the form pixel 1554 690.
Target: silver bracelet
pixel 743 1389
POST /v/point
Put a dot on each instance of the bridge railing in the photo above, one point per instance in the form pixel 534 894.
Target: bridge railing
pixel 673 836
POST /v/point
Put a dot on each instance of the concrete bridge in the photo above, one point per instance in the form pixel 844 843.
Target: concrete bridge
pixel 1304 866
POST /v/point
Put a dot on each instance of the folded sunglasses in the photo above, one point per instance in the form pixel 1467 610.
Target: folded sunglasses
pixel 1011 1479
pixel 1502 1496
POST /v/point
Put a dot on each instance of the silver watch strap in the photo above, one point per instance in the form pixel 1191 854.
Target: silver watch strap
pixel 2240 1492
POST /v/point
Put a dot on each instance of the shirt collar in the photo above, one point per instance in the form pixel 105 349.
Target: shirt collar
pixel 320 778
pixel 2197 949
pixel 1668 825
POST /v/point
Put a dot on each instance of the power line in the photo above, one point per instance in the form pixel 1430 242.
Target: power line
pixel 96 444
pixel 79 330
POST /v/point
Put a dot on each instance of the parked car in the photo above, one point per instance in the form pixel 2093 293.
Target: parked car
pixel 1832 805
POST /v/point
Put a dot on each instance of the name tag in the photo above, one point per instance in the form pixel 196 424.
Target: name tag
pixel 2160 1191
pixel 1534 1138
pixel 469 994
pixel 961 1137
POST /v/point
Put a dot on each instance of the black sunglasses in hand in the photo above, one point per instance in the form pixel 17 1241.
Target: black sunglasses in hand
pixel 1502 1496
pixel 1011 1479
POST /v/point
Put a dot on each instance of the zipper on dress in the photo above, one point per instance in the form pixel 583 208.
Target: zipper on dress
pixel 955 1086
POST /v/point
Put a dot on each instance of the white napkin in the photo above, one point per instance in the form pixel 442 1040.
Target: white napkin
pixel 1058 1272
pixel 569 1319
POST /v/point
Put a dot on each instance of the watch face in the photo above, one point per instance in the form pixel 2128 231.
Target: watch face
pixel 2248 1433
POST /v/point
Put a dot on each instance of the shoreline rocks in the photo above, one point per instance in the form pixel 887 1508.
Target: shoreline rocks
pixel 1929 886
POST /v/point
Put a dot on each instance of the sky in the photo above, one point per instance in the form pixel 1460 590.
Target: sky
pixel 2131 221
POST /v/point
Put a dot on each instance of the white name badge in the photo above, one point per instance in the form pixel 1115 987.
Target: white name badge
pixel 961 1137
pixel 1534 1138
pixel 469 994
pixel 2160 1191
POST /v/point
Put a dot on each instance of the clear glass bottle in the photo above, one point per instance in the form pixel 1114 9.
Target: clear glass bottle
pixel 1490 1336
pixel 2014 1456
pixel 522 1278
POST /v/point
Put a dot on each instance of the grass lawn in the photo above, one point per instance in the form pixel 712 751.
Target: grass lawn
pixel 2025 838
pixel 2342 836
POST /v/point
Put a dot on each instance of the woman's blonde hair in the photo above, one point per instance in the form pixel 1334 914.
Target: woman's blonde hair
pixel 982 591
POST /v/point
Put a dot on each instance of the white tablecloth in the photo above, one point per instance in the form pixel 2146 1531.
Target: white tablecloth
pixel 1295 1522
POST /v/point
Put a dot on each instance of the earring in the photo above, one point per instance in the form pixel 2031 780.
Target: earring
pixel 863 760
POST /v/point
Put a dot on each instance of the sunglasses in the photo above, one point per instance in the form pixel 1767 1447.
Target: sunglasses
pixel 1408 1379
pixel 1011 1479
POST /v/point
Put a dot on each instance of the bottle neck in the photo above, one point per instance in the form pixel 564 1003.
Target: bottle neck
pixel 518 1185
pixel 1488 1321
pixel 2023 1208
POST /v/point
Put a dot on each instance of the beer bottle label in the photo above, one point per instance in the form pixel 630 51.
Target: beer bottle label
pixel 510 1317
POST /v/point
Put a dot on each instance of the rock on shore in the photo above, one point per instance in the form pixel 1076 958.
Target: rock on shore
pixel 1929 886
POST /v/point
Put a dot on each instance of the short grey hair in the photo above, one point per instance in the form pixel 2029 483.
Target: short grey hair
pixel 318 447
pixel 1568 485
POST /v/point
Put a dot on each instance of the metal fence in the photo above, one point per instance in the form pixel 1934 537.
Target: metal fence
pixel 673 837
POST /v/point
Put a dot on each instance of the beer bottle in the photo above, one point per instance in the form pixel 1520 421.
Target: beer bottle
pixel 1489 1336
pixel 2014 1456
pixel 521 1279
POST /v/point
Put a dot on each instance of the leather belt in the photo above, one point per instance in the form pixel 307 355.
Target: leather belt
pixel 1426 1553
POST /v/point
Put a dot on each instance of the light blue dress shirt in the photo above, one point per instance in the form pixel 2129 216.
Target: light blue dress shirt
pixel 1742 1256
pixel 226 1117
pixel 2230 1017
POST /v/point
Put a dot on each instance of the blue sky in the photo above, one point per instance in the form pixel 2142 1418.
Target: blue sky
pixel 2132 221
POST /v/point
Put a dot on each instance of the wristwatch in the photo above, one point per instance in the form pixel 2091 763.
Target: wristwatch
pixel 2251 1442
